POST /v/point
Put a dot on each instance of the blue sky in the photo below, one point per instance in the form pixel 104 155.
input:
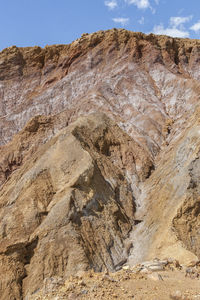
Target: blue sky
pixel 42 22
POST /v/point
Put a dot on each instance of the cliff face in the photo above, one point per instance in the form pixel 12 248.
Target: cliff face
pixel 106 169
pixel 69 207
pixel 134 78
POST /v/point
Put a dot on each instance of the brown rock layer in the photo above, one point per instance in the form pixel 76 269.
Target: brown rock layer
pixel 170 201
pixel 72 207
pixel 80 195
pixel 134 78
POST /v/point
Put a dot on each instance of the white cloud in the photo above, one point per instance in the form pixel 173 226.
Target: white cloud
pixel 196 27
pixel 176 27
pixel 122 21
pixel 178 21
pixel 141 21
pixel 111 4
pixel 174 32
pixel 156 1
pixel 141 4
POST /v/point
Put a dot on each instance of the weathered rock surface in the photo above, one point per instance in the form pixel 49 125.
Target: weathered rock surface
pixel 69 206
pixel 142 81
pixel 170 206
pixel 118 185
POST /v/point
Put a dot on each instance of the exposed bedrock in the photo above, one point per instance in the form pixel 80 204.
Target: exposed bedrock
pixel 99 159
pixel 70 205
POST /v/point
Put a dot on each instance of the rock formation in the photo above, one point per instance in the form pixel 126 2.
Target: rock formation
pixel 99 156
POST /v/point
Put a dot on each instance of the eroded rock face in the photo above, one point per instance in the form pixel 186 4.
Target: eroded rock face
pixel 187 221
pixel 72 207
pixel 170 201
pixel 92 191
pixel 141 81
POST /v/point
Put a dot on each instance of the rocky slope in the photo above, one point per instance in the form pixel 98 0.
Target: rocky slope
pixel 134 78
pixel 106 169
pixel 149 281
pixel 69 205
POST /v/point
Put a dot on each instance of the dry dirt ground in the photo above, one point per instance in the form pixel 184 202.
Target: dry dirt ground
pixel 135 283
